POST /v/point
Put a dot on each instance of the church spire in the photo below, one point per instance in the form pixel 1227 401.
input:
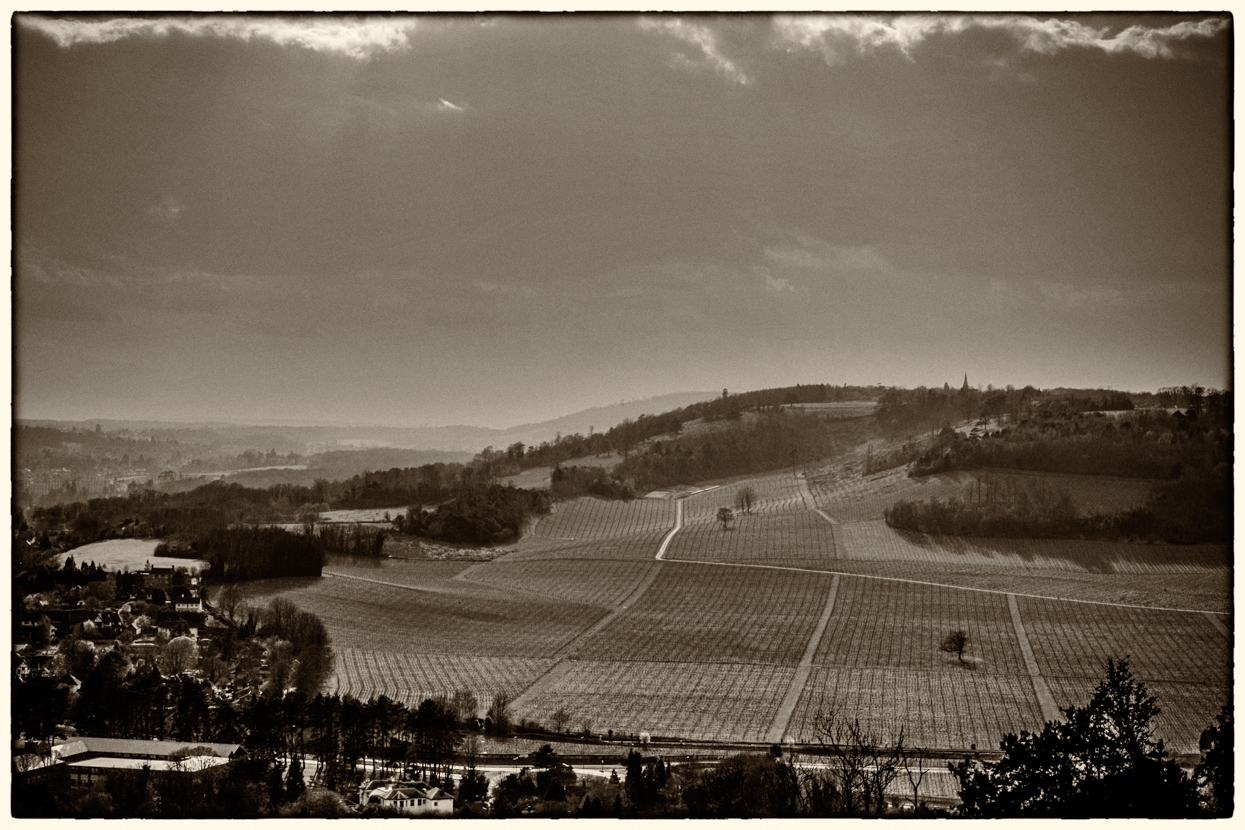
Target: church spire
pixel 964 388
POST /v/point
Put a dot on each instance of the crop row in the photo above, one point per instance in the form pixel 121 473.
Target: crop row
pixel 697 701
pixel 799 539
pixel 1185 708
pixel 410 678
pixel 864 499
pixel 631 547
pixel 716 614
pixel 775 493
pixel 592 518
pixel 603 582
pixel 935 709
pixel 413 572
pixel 1208 591
pixel 882 624
pixel 856 499
pixel 878 541
pixel 1072 639
pixel 454 618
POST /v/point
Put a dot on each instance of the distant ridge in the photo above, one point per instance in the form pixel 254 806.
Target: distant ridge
pixel 457 438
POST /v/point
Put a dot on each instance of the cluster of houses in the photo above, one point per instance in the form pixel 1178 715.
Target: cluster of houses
pixel 104 628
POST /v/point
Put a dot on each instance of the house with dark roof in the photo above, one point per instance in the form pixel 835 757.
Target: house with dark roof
pixel 411 797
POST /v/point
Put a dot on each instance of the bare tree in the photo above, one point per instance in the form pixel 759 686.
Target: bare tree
pixel 560 719
pixel 725 516
pixel 745 497
pixel 862 766
pixel 228 600
pixel 499 713
pixel 465 705
pixel 914 768
pixel 179 655
pixel 955 643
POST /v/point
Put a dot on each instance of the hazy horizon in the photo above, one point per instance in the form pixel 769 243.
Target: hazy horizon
pixel 494 221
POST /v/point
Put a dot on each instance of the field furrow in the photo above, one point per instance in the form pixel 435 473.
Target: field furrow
pixel 1210 591
pixel 896 625
pixel 696 701
pixel 602 582
pixel 410 677
pixel 630 547
pixel 593 518
pixel 468 618
pixel 716 614
pixel 855 499
pixel 794 539
pixel 1075 640
pixel 878 541
pixel 935 709
pixel 776 493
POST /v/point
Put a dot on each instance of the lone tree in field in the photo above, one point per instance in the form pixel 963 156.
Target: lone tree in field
pixel 745 497
pixel 955 643
pixel 725 516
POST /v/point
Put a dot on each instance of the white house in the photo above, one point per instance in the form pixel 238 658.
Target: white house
pixel 412 797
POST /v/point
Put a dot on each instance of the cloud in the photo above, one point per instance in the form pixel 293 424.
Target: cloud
pixel 1081 297
pixel 167 211
pixel 355 37
pixel 777 285
pixel 448 106
pixel 835 36
pixel 809 253
pixel 701 37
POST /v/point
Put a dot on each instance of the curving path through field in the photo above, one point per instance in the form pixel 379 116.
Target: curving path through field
pixel 678 525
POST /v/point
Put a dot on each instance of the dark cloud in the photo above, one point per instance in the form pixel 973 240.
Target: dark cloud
pixel 495 223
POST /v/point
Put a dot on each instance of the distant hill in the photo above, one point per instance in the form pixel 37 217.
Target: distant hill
pixel 602 418
pixel 322 438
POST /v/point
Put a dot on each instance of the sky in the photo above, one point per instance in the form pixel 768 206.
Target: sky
pixel 498 220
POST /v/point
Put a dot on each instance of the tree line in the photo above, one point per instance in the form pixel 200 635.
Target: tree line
pixel 626 437
pixel 485 516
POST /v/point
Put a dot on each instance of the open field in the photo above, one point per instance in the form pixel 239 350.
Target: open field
pixel 798 539
pixel 636 546
pixel 697 613
pixel 1207 591
pixel 697 701
pixel 592 518
pixel 938 708
pixel 125 555
pixel 415 572
pixel 457 618
pixel 878 541
pixel 777 492
pixel 602 582
pixel 707 647
pixel 410 678
pixel 858 499
pixel 367 514
pixel 879 624
pixel 1075 640
pixel 541 478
